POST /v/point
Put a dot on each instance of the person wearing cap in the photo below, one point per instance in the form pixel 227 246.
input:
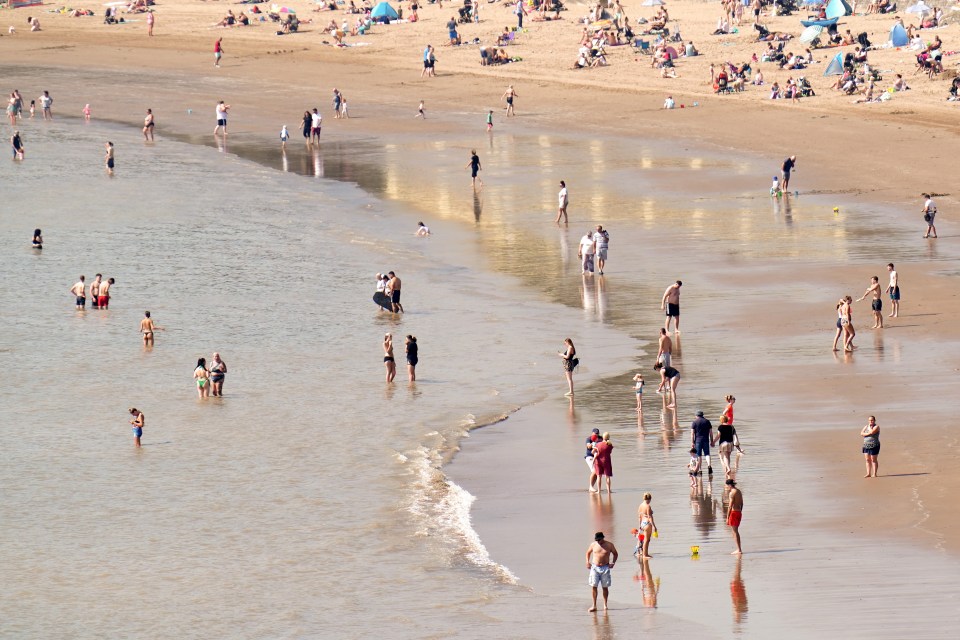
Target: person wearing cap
pixel 601 557
pixel 929 215
pixel 735 513
pixel 701 432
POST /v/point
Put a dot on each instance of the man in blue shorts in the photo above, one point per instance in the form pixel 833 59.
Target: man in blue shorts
pixel 700 433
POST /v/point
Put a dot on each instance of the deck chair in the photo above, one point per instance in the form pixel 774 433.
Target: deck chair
pixel 643 45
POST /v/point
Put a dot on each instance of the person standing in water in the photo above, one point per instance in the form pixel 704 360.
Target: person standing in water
pixel 570 362
pixel 37 239
pixel 601 558
pixel 603 462
pixel 16 142
pixel 95 292
pixel 475 168
pixel 393 289
pixel 871 446
pixel 138 421
pixel 664 350
pixel 894 290
pixel 222 110
pixel 217 52
pixel 147 328
pixel 202 376
pixel 109 157
pixel 735 514
pixel 564 200
pixel 877 303
pixel 388 361
pixel 671 304
pixel 148 122
pixel 412 357
pixel 218 371
pixel 929 215
pixel 79 290
pixel 647 524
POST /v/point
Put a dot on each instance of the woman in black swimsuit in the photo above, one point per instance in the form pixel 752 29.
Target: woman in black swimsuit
pixel 726 436
pixel 570 362
pixel 218 371
pixel 412 357
pixel 37 239
pixel 388 361
pixel 307 124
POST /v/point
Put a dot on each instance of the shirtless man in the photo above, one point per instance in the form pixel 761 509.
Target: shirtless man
pixel 876 304
pixel 665 349
pixel 95 292
pixel 393 288
pixel 894 290
pixel 79 290
pixel 671 304
pixel 601 557
pixel 735 514
pixel 148 121
pixel 147 328
pixel 103 298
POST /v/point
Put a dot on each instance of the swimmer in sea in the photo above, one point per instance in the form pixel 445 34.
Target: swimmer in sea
pixel 388 361
pixel 137 422
pixel 37 239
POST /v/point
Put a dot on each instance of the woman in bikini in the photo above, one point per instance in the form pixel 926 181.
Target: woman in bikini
pixel 570 362
pixel 202 376
pixel 388 361
pixel 836 338
pixel 846 321
pixel 647 524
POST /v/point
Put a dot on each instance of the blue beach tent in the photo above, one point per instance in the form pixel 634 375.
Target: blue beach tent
pixel 898 36
pixel 384 10
pixel 838 9
pixel 835 68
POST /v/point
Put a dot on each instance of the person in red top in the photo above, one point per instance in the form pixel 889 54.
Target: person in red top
pixel 729 410
pixel 217 52
pixel 602 462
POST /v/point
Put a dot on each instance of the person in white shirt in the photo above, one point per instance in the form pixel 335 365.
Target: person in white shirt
pixel 894 290
pixel 586 252
pixel 929 214
pixel 422 230
pixel 316 124
pixel 669 103
pixel 221 118
pixel 564 200
pixel 601 238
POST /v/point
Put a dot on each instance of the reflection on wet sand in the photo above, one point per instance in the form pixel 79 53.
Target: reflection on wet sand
pixel 602 629
pixel 601 514
pixel 738 594
pixel 704 507
pixel 649 586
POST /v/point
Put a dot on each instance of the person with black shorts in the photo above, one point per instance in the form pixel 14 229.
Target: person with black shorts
pixel 475 167
pixel 785 170
pixel 671 304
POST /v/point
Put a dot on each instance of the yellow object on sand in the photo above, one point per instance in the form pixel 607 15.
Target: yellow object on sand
pixel 695 550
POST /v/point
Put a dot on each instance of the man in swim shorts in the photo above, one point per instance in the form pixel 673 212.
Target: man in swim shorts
pixel 95 292
pixel 103 299
pixel 602 240
pixel 701 432
pixel 877 303
pixel 894 290
pixel 785 171
pixel 671 304
pixel 393 288
pixel 735 514
pixel 601 558
pixel 79 290
pixel 665 351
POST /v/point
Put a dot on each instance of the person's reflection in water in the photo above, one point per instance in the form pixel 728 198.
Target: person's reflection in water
pixel 738 594
pixel 601 627
pixel 787 212
pixel 317 164
pixel 284 161
pixel 222 144
pixel 573 420
pixel 878 345
pixel 564 248
pixel 676 347
pixel 703 507
pixel 588 294
pixel 477 206
pixel 601 513
pixel 649 586
pixel 602 305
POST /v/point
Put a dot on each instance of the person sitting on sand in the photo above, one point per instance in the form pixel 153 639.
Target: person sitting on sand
pixel 228 20
pixel 243 20
pixel 690 50
pixel 900 84
pixel 775 91
pixel 34 24
pixel 723 27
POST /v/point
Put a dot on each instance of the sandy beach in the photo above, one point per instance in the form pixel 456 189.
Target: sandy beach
pixel 684 192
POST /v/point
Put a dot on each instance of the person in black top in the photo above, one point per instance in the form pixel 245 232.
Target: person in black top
pixel 787 167
pixel 727 437
pixel 475 167
pixel 700 435
pixel 412 357
pixel 669 379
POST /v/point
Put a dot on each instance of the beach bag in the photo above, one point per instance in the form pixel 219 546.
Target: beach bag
pixel 926 217
pixel 575 362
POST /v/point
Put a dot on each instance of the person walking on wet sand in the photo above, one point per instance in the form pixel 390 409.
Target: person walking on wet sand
pixel 222 110
pixel 669 380
pixel 393 290
pixel 148 123
pixel 846 321
pixel 137 422
pixel 603 462
pixel 475 168
pixel 509 95
pixel 601 239
pixel 871 446
pixel 151 20
pixel 217 52
pixel 648 525
pixel 701 433
pixel 601 558
pixel 877 303
pixel 147 328
pixel 564 200
pixel 586 253
pixel 413 357
pixel 929 215
pixel 671 304
pixel 570 362
pixel 785 171
pixel 894 290
pixel 388 361
pixel 735 514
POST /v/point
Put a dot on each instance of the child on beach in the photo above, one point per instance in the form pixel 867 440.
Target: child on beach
pixel 284 136
pixel 639 536
pixel 490 120
pixel 420 113
pixel 86 113
pixel 638 387
pixel 775 187
pixel 693 466
pixel 137 422
pixel 33 107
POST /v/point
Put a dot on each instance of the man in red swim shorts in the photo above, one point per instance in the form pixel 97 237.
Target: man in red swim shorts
pixel 735 513
pixel 103 299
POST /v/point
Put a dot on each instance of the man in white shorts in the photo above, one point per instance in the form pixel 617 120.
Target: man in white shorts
pixel 601 557
pixel 602 239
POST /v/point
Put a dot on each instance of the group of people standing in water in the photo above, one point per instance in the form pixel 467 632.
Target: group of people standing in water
pixel 412 353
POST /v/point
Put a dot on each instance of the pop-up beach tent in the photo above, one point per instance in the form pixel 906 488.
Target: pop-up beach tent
pixel 384 10
pixel 835 68
pixel 898 36
pixel 838 9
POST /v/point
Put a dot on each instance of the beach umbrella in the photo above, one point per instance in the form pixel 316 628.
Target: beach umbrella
pixel 672 52
pixel 810 34
pixel 920 8
pixel 652 3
